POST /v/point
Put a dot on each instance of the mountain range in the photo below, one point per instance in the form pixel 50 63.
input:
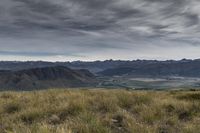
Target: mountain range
pixel 46 77
pixel 40 75
pixel 184 67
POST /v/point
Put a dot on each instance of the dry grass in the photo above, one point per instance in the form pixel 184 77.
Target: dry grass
pixel 100 111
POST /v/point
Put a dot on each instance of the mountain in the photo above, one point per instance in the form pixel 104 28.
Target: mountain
pixel 46 77
pixel 183 68
pixel 94 67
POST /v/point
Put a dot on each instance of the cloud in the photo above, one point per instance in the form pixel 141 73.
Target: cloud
pixel 79 27
pixel 37 54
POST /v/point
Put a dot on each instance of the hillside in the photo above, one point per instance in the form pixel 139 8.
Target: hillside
pixel 100 111
pixel 46 77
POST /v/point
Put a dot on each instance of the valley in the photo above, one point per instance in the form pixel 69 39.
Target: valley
pixel 149 83
pixel 136 74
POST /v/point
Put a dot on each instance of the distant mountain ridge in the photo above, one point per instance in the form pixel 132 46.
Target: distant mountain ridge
pixel 93 66
pixel 184 67
pixel 46 77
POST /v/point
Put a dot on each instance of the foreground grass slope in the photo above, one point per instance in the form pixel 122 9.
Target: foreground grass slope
pixel 100 111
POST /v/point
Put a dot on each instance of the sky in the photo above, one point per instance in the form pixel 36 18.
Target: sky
pixel 68 30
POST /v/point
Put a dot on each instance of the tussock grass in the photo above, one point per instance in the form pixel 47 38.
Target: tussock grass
pixel 99 111
pixel 192 96
pixel 12 107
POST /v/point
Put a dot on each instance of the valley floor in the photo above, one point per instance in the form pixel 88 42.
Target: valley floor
pixel 100 111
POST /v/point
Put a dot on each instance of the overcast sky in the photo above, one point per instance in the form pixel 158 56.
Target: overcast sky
pixel 65 30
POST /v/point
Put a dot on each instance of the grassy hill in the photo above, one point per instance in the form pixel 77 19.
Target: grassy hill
pixel 100 111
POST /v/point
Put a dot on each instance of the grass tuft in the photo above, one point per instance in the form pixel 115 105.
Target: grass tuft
pixel 32 116
pixel 195 96
pixel 12 107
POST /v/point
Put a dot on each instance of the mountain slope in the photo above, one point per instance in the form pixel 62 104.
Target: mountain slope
pixel 46 77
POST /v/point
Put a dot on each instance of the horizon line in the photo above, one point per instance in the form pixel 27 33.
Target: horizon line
pixel 101 60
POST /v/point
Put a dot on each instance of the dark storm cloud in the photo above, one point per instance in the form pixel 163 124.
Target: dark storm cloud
pixel 191 19
pixel 76 14
pixel 95 14
pixel 85 25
